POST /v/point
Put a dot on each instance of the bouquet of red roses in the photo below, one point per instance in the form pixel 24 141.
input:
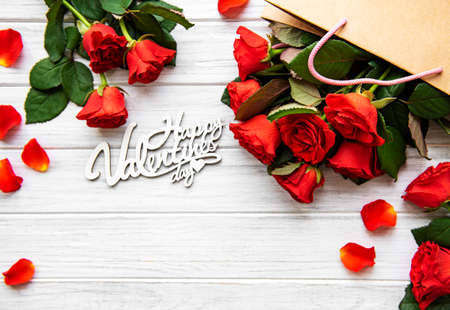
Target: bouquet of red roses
pixel 293 123
pixel 134 35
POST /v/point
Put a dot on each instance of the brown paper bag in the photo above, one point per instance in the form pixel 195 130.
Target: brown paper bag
pixel 413 35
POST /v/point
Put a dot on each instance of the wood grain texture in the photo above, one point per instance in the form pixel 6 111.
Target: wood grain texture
pixel 235 240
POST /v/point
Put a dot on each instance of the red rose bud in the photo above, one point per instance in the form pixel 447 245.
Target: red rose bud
pixel 9 182
pixel 104 47
pixel 230 8
pixel 146 60
pixel 9 118
pixel 302 183
pixel 249 50
pixel 34 156
pixel 19 273
pixel 431 189
pixel 259 136
pixel 355 160
pixel 377 214
pixel 354 117
pixel 240 92
pixel 10 47
pixel 307 135
pixel 356 257
pixel 430 273
pixel 106 111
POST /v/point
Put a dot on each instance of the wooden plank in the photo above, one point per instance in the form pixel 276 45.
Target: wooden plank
pixel 203 245
pixel 238 184
pixel 205 54
pixel 221 295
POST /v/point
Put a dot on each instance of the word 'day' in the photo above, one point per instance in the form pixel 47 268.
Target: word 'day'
pixel 193 148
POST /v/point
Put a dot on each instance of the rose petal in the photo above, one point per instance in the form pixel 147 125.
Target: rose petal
pixel 34 156
pixel 19 273
pixel 378 213
pixel 355 257
pixel 9 182
pixel 230 8
pixel 9 118
pixel 10 47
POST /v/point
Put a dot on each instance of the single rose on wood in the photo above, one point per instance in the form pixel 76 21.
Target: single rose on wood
pixel 106 110
pixel 307 135
pixel 302 183
pixel 249 51
pixel 354 117
pixel 104 47
pixel 240 91
pixel 259 136
pixel 431 189
pixel 355 160
pixel 146 60
pixel 430 273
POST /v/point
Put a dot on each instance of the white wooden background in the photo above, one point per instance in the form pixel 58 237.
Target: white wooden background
pixel 235 240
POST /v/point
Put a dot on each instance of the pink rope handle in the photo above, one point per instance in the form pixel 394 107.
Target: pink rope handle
pixel 326 80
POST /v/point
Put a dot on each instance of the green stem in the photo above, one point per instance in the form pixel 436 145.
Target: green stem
pixel 382 77
pixel 123 27
pixel 76 13
pixel 348 88
pixel 103 79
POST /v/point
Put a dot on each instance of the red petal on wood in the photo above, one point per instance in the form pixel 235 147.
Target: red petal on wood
pixel 34 156
pixel 378 213
pixel 10 47
pixel 9 118
pixel 231 8
pixel 19 273
pixel 9 182
pixel 355 257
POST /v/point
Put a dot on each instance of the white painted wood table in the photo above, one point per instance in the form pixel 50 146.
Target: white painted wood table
pixel 235 240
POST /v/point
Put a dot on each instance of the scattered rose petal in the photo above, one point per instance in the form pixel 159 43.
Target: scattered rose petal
pixel 34 156
pixel 230 8
pixel 378 213
pixel 9 118
pixel 10 47
pixel 9 182
pixel 19 273
pixel 355 257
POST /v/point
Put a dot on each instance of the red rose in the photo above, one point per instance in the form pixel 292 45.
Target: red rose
pixel 430 273
pixel 356 160
pixel 354 117
pixel 249 51
pixel 259 136
pixel 302 182
pixel 240 92
pixel 107 111
pixel 104 47
pixel 307 135
pixel 146 60
pixel 430 189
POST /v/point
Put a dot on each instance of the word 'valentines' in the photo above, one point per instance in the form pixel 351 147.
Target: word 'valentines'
pixel 193 148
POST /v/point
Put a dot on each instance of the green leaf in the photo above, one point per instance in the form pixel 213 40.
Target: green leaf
pixel 304 93
pixel 417 135
pixel 55 40
pixel 262 99
pixel 290 108
pixel 73 37
pixel 396 115
pixel 409 302
pixel 292 36
pixel 117 7
pixel 43 106
pixel 165 23
pixel 91 9
pixel 334 61
pixel 437 231
pixel 381 103
pixel 284 155
pixel 169 14
pixel 46 75
pixel 226 95
pixel 286 169
pixel 276 70
pixel 147 23
pixel 50 2
pixel 445 125
pixel 392 154
pixel 77 81
pixel 393 90
pixel 428 102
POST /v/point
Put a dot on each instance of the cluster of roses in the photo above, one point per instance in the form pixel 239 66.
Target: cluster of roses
pixel 294 138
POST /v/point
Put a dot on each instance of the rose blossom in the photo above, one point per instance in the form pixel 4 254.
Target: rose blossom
pixel 240 91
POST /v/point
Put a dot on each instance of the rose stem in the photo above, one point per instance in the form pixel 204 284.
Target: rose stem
pixel 103 79
pixel 76 13
pixel 382 77
pixel 125 31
